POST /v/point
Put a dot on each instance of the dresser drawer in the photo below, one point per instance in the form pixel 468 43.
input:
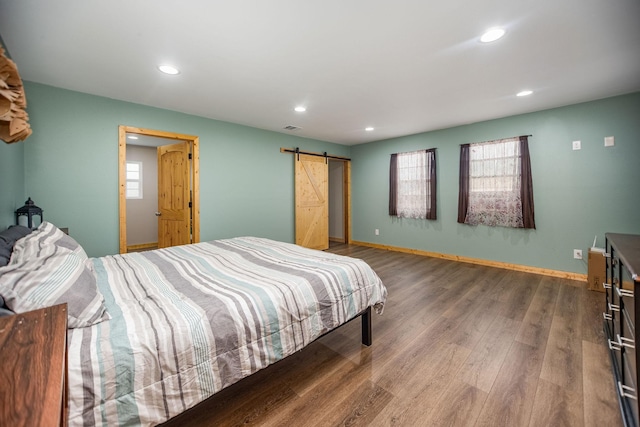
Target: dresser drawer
pixel 627 342
pixel 629 403
pixel 616 349
pixel 625 291
pixel 615 312
pixel 627 311
pixel 628 370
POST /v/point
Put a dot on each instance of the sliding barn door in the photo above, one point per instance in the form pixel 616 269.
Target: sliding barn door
pixel 174 213
pixel 312 205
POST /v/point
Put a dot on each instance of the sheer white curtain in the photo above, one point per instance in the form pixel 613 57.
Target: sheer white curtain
pixel 495 196
pixel 412 185
pixel 413 191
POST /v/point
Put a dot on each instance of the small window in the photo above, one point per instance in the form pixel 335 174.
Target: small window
pixel 412 185
pixel 134 180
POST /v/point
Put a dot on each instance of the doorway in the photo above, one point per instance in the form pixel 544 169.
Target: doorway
pixel 322 199
pixel 189 232
pixel 339 201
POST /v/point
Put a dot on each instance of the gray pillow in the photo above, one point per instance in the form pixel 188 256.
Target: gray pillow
pixel 13 233
pixel 8 238
pixel 5 253
pixel 57 275
pixel 46 236
pixel 4 310
pixel 42 273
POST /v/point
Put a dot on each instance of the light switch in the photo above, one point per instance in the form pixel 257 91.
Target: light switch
pixel 609 141
pixel 577 145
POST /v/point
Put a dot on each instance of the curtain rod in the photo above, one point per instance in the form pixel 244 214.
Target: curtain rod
pixel 416 151
pixel 491 140
pixel 309 153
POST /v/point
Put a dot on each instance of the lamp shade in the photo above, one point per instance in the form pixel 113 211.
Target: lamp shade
pixel 29 210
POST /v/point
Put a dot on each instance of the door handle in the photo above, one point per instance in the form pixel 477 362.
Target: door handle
pixel 158 213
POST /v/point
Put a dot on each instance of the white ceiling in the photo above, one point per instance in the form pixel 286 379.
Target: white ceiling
pixel 403 67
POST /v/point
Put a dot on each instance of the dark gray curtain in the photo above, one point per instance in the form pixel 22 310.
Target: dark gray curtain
pixel 393 185
pixel 431 157
pixel 463 193
pixel 526 186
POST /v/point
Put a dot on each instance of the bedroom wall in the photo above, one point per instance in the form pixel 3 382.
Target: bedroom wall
pixel 246 184
pixel 12 192
pixel 578 194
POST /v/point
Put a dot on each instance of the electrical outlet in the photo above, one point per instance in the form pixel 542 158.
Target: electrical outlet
pixel 577 253
pixel 377 232
pixel 576 145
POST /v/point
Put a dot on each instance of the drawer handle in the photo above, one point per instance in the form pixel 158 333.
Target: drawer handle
pixel 614 345
pixel 613 307
pixel 607 316
pixel 614 261
pixel 616 281
pixel 626 342
pixel 626 391
pixel 624 292
pixel 606 285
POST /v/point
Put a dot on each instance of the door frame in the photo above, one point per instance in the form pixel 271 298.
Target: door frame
pixel 194 142
pixel 346 196
pixel 346 187
pixel 346 193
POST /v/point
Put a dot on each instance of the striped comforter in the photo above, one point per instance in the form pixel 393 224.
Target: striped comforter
pixel 188 321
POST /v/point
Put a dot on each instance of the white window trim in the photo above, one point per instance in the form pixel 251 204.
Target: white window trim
pixel 139 181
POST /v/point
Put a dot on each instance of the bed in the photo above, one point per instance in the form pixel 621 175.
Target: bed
pixel 154 333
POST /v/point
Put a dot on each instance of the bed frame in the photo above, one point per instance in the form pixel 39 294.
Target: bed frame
pixel 367 338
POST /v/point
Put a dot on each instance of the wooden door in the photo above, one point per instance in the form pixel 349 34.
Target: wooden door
pixel 311 198
pixel 174 213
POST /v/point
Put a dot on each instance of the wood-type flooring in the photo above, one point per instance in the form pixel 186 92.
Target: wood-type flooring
pixel 457 345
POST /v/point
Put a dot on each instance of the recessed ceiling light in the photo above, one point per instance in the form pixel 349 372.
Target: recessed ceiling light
pixel 300 109
pixel 524 93
pixel 492 35
pixel 368 129
pixel 168 69
pixel 132 137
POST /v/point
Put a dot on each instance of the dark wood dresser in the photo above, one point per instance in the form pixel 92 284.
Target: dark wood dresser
pixel 621 319
pixel 33 368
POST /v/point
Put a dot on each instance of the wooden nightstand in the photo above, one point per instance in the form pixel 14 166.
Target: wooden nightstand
pixel 33 368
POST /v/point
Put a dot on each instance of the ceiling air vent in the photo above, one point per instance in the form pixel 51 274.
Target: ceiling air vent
pixel 291 128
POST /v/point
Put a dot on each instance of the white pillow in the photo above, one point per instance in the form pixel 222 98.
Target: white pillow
pixel 42 273
pixel 43 238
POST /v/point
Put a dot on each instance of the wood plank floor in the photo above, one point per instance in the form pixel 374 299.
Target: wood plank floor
pixel 458 345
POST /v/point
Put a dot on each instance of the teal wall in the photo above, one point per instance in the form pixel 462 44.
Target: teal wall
pixel 12 193
pixel 578 194
pixel 70 165
pixel 71 161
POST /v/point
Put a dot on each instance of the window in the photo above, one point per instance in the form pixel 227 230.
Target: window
pixel 134 180
pixel 412 185
pixel 495 184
